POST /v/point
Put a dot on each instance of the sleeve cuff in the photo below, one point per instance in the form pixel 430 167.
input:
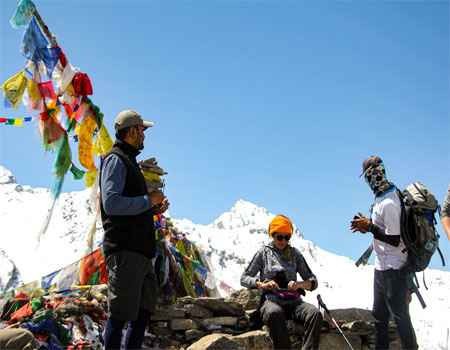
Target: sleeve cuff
pixel 313 283
pixel 147 200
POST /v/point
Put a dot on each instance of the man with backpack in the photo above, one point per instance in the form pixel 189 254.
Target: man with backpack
pixel 391 282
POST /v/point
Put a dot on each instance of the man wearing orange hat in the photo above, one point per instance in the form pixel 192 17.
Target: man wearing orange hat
pixel 277 264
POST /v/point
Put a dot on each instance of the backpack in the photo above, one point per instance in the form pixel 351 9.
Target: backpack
pixel 418 226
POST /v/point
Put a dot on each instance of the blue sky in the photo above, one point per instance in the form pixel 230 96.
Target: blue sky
pixel 274 102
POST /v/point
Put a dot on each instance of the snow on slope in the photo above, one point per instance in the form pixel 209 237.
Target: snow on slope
pixel 229 242
pixel 9 274
pixel 22 211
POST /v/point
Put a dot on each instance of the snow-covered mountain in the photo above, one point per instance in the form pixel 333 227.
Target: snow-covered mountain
pixel 229 242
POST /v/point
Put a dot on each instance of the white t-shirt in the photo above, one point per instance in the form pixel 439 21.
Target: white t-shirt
pixel 386 214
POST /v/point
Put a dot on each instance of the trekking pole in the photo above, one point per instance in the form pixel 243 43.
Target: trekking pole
pixel 364 259
pixel 323 306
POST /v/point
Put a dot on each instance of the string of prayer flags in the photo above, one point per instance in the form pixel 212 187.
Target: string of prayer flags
pixel 50 85
pixel 15 121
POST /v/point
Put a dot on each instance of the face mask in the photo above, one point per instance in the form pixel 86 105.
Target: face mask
pixel 376 178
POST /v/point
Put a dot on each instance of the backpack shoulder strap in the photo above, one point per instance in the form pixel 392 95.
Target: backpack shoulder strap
pixel 441 255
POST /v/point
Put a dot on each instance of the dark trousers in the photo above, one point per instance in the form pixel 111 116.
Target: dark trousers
pixel 275 316
pixel 135 332
pixel 390 299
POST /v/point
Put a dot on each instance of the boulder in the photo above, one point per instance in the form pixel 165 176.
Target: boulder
pixel 216 342
pixel 219 321
pixel 352 314
pixel 255 340
pixel 334 341
pixel 248 298
pixel 194 334
pixel 359 327
pixel 218 306
pixel 197 311
pixel 168 313
pixel 182 324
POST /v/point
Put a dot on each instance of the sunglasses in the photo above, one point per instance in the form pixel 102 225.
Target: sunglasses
pixel 281 237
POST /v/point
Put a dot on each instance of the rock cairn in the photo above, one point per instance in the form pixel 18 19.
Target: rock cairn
pixel 218 323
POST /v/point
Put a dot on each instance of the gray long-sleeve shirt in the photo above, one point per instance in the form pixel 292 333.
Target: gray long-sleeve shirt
pixel 269 261
pixel 445 211
pixel 112 185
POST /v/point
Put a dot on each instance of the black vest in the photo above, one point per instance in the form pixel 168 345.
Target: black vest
pixel 129 232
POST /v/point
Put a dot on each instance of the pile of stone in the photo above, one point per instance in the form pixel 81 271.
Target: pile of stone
pixel 217 323
pixel 195 322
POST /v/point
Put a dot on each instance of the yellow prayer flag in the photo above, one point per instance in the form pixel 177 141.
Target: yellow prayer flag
pixel 85 142
pixel 34 94
pixel 18 122
pixel 89 178
pixel 103 143
pixel 148 175
pixel 14 87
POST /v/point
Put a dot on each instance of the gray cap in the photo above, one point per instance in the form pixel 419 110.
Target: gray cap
pixel 370 162
pixel 129 118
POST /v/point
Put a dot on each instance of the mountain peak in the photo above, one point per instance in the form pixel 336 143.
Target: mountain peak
pixel 243 205
pixel 6 176
pixel 243 213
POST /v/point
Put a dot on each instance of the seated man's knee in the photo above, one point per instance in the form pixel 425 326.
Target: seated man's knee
pixel 317 315
pixel 314 315
pixel 274 315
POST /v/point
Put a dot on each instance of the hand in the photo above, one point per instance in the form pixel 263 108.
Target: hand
pixel 161 207
pixel 156 197
pixel 294 285
pixel 267 285
pixel 360 223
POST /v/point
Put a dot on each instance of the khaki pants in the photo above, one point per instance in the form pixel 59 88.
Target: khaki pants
pixel 17 338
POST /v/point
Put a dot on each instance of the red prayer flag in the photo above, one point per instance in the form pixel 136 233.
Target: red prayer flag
pixel 44 116
pixel 93 269
pixel 82 84
pixel 46 90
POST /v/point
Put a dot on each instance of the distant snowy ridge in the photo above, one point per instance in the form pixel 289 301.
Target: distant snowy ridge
pixel 229 243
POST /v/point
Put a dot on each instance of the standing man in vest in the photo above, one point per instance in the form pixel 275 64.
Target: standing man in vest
pixel 129 241
pixel 391 292
pixel 445 214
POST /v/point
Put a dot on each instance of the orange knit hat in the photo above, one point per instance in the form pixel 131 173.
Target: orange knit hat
pixel 281 224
